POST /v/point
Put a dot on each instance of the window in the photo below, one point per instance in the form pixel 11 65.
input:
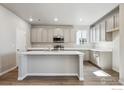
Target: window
pixel 81 37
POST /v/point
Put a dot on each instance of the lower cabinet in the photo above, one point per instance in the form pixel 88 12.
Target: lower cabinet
pixel 101 59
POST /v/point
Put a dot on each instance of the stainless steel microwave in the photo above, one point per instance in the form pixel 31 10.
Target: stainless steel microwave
pixel 58 39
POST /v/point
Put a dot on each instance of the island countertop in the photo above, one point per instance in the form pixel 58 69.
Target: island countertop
pixel 51 53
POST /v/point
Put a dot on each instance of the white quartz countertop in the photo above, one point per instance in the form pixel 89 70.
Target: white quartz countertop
pixel 53 48
pixel 52 53
pixel 102 50
pixel 72 49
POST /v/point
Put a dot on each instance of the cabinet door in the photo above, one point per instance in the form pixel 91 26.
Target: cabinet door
pixel 91 35
pixel 97 58
pixel 97 33
pixel 33 35
pixel 36 35
pixel 58 31
pixel 50 35
pixel 102 29
pixel 44 35
pixel 73 35
pixel 92 57
pixel 110 24
pixel 67 35
pixel 39 33
pixel 116 20
pixel 94 34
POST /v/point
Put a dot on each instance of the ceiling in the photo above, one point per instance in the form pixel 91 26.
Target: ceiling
pixel 67 13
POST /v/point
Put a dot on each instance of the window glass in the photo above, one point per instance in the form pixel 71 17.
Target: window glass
pixel 81 37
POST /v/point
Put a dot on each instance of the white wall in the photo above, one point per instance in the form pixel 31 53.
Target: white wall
pixel 121 62
pixel 9 25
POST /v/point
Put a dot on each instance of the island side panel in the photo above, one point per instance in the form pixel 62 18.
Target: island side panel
pixel 54 65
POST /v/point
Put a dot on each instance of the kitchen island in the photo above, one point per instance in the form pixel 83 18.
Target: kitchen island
pixel 50 63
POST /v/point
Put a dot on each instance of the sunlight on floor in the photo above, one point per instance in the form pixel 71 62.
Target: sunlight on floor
pixel 101 73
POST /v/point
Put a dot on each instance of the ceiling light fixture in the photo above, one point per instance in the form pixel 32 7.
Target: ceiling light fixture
pixel 55 19
pixel 80 19
pixel 30 19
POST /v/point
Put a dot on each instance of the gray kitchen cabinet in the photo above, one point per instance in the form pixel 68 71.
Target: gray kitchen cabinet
pixel 94 34
pixel 116 20
pixel 39 33
pixel 91 35
pixel 36 35
pixel 97 33
pixel 109 23
pixel 73 36
pixel 33 35
pixel 58 31
pixel 50 35
pixel 101 59
pixel 104 36
pixel 67 35
pixel 112 22
pixel 44 35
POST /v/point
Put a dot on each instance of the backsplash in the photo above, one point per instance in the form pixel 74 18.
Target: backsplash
pixel 66 45
pixel 103 45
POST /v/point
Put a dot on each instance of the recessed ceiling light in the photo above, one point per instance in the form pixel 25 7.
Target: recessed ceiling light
pixel 80 19
pixel 55 19
pixel 30 19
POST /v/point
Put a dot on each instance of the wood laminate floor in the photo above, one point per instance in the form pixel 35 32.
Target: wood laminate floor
pixel 89 78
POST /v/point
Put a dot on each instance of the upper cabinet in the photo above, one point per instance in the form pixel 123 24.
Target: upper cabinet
pixel 101 30
pixel 58 31
pixel 46 34
pixel 72 36
pixel 112 22
pixel 39 35
pixel 97 33
pixel 67 35
pixel 50 35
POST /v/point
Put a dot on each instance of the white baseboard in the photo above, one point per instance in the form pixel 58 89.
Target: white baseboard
pixel 8 70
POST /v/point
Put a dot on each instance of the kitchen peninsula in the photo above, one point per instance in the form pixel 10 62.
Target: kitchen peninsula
pixel 50 63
